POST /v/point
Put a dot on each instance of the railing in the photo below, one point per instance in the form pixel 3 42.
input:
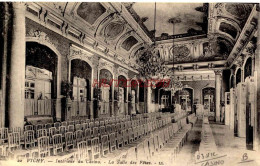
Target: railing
pixel 80 108
pixel 39 107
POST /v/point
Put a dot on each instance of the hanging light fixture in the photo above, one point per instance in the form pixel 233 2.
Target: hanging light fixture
pixel 175 83
pixel 151 64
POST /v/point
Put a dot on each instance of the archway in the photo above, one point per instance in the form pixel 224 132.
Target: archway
pixel 141 94
pixel 122 95
pixel 248 67
pixel 105 96
pixel 208 95
pixel 80 77
pixel 231 81
pixel 250 106
pixel 186 99
pixel 41 80
pixel 134 97
pixel 238 76
pixel 163 97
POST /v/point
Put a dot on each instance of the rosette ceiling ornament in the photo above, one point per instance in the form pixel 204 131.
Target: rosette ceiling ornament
pixel 152 65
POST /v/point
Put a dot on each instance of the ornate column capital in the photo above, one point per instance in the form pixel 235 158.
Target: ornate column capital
pixel 218 72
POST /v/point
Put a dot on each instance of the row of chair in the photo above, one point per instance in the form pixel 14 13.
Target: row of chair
pixel 53 136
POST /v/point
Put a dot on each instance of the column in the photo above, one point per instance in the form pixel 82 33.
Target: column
pixel 6 31
pixel 257 77
pixel 137 98
pixel 148 97
pixel 218 74
pixel 17 68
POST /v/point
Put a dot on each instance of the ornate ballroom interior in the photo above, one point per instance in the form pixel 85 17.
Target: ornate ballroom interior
pixel 130 81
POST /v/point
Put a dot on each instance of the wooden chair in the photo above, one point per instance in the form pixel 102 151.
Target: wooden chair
pixel 38 126
pixel 95 132
pixel 84 126
pixel 125 137
pixel 108 129
pixel 106 122
pixel 113 128
pixel 78 127
pixel 118 127
pixel 151 146
pixel 135 133
pixel 112 142
pixel 95 149
pixel 62 130
pixel 87 134
pixel 71 128
pixel 82 152
pixel 156 142
pixel 120 140
pixel 79 136
pixel 71 123
pixel 130 135
pixel 43 147
pixel 147 155
pixel 14 141
pixel 161 139
pixel 48 125
pixel 64 123
pixel 57 125
pixel 41 133
pixel 29 139
pixel 16 129
pixel 104 145
pixel 52 131
pixel 57 144
pixel 69 140
pixel 102 123
pixel 4 134
pixel 77 122
pixel 122 125
pixel 28 127
pixel 96 124
pixel 102 130
pixel 14 146
pixel 91 125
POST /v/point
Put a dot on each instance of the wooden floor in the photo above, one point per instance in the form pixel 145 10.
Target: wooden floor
pixel 230 150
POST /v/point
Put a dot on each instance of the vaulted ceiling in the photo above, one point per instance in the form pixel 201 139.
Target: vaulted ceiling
pixel 191 17
pixel 203 32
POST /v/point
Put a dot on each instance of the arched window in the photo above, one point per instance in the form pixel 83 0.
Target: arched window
pixel 238 76
pixel 248 68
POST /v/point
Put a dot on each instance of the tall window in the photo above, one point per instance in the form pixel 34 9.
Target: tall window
pixel 29 89
pixel 165 100
pixel 37 83
pixel 79 89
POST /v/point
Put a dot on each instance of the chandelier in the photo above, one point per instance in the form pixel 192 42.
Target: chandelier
pixel 152 65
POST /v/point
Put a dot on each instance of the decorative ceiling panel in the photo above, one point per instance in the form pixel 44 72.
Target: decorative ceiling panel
pixel 129 43
pixel 192 16
pixel 228 28
pixel 90 11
